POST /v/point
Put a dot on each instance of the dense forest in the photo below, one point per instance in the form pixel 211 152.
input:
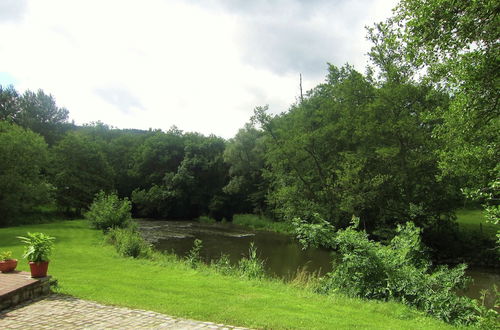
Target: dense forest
pixel 411 139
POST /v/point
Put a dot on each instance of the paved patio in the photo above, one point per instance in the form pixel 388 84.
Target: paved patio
pixel 64 312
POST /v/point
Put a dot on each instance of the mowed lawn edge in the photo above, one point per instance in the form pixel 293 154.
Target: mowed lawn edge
pixel 87 268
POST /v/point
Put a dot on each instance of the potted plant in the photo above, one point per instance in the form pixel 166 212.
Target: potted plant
pixel 37 250
pixel 7 264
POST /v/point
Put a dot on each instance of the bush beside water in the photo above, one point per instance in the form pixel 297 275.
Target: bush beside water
pixel 108 211
pixel 398 271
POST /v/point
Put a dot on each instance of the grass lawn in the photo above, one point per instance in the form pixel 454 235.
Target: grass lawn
pixel 88 269
pixel 474 221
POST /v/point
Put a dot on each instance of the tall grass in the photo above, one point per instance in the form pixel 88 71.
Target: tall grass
pixel 262 223
pixel 474 221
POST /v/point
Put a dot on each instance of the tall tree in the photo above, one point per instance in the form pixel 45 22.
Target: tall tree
pixel 455 45
pixel 352 147
pixel 245 156
pixel 79 171
pixel 23 155
pixel 9 103
pixel 39 112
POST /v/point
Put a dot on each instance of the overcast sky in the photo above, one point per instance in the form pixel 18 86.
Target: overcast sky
pixel 200 65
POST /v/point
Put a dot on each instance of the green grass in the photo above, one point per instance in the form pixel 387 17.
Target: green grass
pixel 261 223
pixel 88 269
pixel 473 220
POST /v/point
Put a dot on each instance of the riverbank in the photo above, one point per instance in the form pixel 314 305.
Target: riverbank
pixel 88 269
pixel 472 242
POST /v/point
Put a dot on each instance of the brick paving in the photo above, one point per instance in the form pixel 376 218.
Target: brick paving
pixel 14 280
pixel 65 312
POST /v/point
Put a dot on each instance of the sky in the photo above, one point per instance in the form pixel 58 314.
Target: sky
pixel 199 65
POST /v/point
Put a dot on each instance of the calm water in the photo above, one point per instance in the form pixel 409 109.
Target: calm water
pixel 282 254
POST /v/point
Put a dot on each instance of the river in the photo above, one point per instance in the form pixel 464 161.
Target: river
pixel 282 254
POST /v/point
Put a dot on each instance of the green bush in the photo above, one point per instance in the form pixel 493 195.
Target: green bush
pixel 397 271
pixel 223 265
pixel 193 258
pixel 251 266
pixel 129 243
pixel 109 211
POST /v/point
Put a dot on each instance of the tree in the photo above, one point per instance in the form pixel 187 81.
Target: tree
pixel 351 147
pixel 245 156
pixel 9 104
pixel 79 171
pixel 159 155
pixel 39 112
pixel 455 46
pixel 23 155
pixel 192 188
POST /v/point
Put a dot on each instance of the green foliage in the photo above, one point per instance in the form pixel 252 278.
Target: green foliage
pixel 9 103
pixel 128 242
pixel 223 265
pixel 80 170
pixel 108 211
pixel 245 155
pixel 316 234
pixel 454 45
pixel 205 219
pixel 193 258
pixel 400 271
pixel 39 112
pixel 262 223
pixel 251 266
pixel 6 255
pixel 356 147
pixel 24 154
pixel 192 185
pixel 38 246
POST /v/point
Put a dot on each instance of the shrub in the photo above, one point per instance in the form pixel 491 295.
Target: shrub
pixel 129 243
pixel 193 258
pixel 251 266
pixel 400 271
pixel 223 265
pixel 109 211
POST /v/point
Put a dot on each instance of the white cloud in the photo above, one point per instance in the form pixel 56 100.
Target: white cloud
pixel 160 63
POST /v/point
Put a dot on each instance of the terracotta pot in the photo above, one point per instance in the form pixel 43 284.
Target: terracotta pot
pixel 8 265
pixel 39 269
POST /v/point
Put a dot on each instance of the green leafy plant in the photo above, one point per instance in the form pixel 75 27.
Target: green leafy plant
pixel 109 211
pixel 38 246
pixel 128 242
pixel 251 266
pixel 223 265
pixel 400 271
pixel 193 258
pixel 6 255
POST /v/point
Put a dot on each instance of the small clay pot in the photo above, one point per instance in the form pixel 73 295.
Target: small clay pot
pixel 8 265
pixel 39 268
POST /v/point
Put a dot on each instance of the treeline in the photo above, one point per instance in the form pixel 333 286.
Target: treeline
pixel 47 161
pixel 352 146
pixel 387 148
